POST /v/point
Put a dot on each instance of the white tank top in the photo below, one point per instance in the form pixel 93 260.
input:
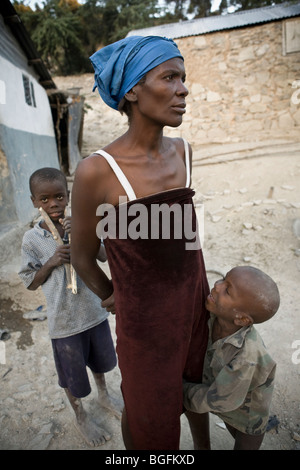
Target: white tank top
pixel 123 179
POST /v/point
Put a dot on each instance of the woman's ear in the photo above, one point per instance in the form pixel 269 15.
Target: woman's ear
pixel 131 95
pixel 243 319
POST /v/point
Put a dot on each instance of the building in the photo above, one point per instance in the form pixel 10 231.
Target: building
pixel 39 124
pixel 243 75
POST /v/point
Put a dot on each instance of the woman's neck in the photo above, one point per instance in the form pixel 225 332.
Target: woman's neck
pixel 146 139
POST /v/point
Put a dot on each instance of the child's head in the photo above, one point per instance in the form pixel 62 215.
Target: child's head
pixel 49 190
pixel 246 295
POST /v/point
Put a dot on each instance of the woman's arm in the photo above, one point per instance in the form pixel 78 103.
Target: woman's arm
pixel 88 193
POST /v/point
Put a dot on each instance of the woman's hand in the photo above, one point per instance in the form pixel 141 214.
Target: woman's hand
pixel 109 304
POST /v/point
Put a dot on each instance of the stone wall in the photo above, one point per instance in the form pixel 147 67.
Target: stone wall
pixel 240 87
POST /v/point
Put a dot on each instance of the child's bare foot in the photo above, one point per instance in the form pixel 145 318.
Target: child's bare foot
pixel 105 400
pixel 112 405
pixel 92 433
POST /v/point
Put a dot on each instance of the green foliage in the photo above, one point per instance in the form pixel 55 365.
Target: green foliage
pixel 55 30
pixel 247 4
pixel 200 8
pixel 179 9
pixel 128 15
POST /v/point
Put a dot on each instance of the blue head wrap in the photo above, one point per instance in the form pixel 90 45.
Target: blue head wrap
pixel 120 66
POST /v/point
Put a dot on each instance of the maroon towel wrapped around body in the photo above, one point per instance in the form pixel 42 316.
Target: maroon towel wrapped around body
pixel 160 288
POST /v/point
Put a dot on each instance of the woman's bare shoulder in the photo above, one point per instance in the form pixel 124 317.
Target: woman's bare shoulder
pixel 93 166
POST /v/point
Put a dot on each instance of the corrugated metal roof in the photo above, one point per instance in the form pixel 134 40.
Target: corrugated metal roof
pixel 218 23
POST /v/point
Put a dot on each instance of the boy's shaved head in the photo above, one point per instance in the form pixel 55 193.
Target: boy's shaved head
pixel 46 174
pixel 264 291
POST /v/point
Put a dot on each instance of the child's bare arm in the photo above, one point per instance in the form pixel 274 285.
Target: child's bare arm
pixel 61 256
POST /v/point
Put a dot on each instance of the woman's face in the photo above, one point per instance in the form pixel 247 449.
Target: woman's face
pixel 161 97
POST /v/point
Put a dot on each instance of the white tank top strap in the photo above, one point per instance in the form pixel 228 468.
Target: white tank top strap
pixel 187 163
pixel 124 181
pixel 119 174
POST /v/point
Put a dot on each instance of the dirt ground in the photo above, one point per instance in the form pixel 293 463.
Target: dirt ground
pixel 249 206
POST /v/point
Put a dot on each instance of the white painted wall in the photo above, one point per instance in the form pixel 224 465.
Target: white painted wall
pixel 15 113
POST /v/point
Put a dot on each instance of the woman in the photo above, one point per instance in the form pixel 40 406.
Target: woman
pixel 159 286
